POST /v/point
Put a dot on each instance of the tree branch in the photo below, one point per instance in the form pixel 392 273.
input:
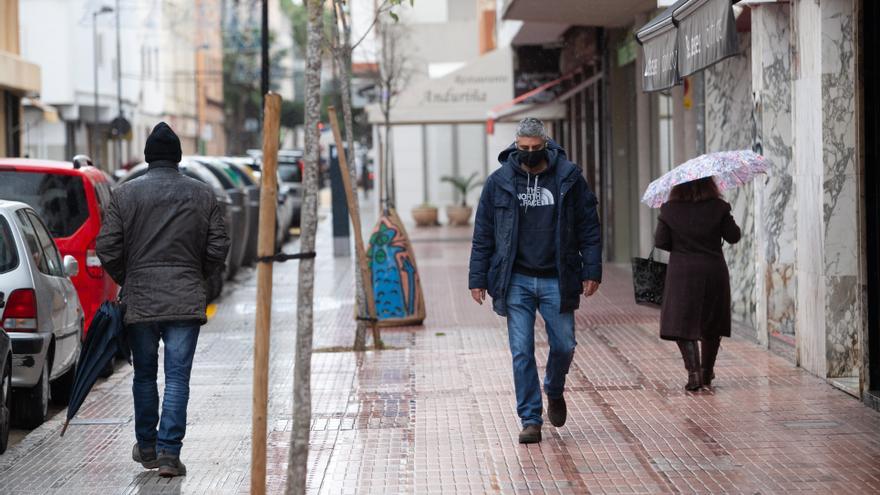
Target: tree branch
pixel 383 8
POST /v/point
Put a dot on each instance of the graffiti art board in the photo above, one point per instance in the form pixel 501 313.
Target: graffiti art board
pixel 396 285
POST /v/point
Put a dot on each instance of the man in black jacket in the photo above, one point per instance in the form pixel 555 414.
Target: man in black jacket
pixel 162 236
pixel 536 248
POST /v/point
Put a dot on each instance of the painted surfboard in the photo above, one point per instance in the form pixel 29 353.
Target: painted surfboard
pixel 395 275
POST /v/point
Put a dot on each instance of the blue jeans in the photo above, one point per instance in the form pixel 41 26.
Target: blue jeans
pixel 526 296
pixel 180 339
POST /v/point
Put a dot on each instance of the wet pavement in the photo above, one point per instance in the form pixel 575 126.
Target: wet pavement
pixel 436 412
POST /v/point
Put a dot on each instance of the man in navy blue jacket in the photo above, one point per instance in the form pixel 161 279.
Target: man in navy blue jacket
pixel 536 247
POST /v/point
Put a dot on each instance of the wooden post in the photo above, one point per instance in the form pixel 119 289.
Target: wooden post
pixel 354 213
pixel 265 248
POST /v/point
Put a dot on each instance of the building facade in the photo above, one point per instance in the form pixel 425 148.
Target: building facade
pixel 169 68
pixel 796 90
pixel 457 108
pixel 18 78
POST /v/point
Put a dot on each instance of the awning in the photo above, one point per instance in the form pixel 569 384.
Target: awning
pixel 50 113
pixel 550 110
pixel 508 108
pixel 706 33
pixel 462 96
pixel 686 38
pixel 659 40
pixel 606 13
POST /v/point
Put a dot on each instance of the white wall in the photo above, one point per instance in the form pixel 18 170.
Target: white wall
pixel 441 155
pixel 59 36
pixel 427 12
pixel 42 20
pixel 406 149
pixel 443 159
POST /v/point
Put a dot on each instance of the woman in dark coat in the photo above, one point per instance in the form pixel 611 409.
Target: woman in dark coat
pixel 696 301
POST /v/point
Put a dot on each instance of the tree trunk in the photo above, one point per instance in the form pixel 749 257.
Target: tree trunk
pixel 302 400
pixel 343 56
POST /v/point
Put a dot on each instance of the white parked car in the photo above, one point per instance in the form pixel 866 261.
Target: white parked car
pixel 41 313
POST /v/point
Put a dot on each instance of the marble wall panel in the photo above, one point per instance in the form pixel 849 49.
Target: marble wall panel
pixel 842 247
pixel 808 183
pixel 843 323
pixel 729 126
pixel 775 207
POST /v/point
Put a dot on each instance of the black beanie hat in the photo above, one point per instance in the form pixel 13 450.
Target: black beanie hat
pixel 162 144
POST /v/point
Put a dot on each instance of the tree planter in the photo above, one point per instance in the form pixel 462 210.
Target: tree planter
pixel 425 216
pixel 459 215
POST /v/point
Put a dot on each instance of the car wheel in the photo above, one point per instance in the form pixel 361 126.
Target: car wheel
pixel 5 404
pixel 31 406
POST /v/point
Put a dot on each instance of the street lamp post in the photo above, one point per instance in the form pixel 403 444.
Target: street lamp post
pixel 118 87
pixel 103 10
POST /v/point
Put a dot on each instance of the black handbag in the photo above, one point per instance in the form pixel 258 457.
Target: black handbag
pixel 649 280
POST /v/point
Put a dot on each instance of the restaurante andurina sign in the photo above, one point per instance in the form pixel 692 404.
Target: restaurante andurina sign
pixel 465 89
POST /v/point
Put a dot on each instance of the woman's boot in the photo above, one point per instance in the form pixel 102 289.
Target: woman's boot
pixel 690 352
pixel 709 352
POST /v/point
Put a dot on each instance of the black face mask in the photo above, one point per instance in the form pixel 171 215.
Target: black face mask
pixel 532 159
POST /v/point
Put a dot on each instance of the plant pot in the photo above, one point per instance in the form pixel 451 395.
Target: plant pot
pixel 459 215
pixel 425 216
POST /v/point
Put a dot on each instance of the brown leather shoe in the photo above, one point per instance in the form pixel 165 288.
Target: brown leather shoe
pixel 145 457
pixel 171 466
pixel 530 434
pixel 557 412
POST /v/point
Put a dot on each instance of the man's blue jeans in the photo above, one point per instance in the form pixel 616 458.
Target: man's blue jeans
pixel 180 339
pixel 526 296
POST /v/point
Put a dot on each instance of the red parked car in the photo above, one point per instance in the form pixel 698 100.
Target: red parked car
pixel 70 199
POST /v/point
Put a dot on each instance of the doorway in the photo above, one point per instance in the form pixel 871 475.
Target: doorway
pixel 871 142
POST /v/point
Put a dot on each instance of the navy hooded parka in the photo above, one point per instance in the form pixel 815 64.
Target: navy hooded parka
pixel 578 242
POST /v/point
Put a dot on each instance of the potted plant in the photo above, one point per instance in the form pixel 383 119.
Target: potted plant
pixel 425 215
pixel 461 214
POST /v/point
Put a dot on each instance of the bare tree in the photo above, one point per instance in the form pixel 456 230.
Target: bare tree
pixel 302 395
pixel 342 50
pixel 395 70
pixel 342 56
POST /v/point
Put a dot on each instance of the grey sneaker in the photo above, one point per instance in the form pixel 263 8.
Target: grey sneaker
pixel 530 434
pixel 145 457
pixel 170 466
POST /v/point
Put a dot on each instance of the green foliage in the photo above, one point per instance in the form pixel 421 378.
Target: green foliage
pixel 463 185
pixel 397 3
pixel 299 21
pixel 241 85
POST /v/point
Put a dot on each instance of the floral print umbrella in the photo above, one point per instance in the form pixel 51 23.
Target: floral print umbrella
pixel 730 169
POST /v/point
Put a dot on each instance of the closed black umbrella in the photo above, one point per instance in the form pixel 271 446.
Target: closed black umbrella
pixel 106 339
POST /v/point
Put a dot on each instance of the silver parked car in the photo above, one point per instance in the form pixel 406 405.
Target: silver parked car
pixel 41 313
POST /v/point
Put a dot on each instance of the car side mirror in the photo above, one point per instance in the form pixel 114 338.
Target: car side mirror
pixel 71 266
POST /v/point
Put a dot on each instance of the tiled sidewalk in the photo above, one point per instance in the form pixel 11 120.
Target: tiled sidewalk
pixel 436 413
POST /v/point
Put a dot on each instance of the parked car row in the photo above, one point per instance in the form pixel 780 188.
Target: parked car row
pixel 52 282
pixel 290 176
pixel 237 188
